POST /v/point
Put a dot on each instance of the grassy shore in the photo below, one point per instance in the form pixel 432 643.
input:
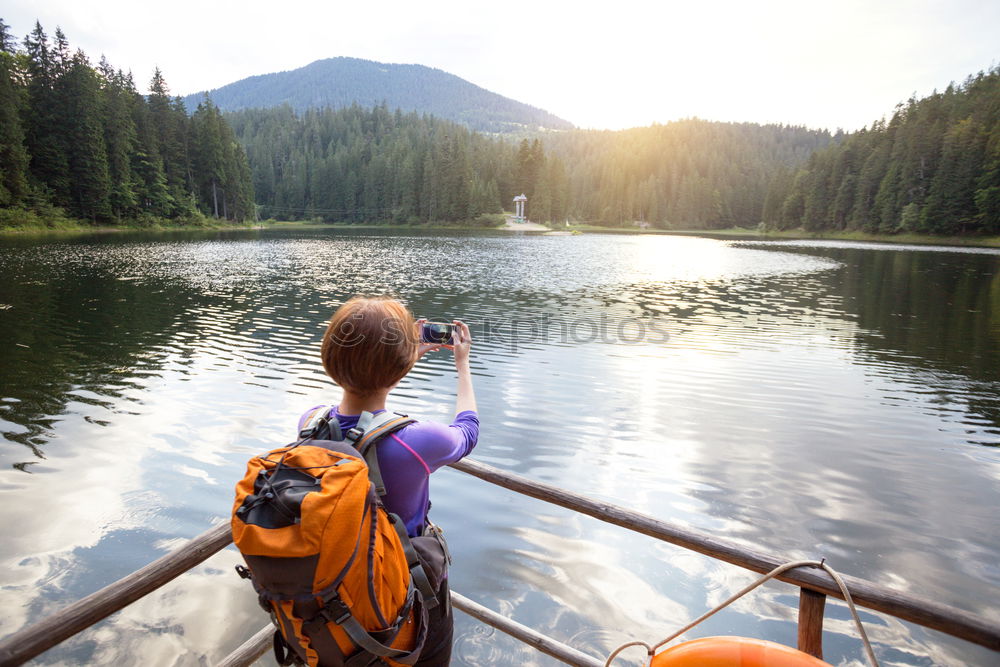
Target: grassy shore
pixel 31 223
pixel 72 227
pixel 455 226
pixel 84 228
pixel 22 222
pixel 791 234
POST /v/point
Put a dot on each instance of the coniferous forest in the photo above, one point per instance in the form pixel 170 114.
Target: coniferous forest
pixel 377 165
pixel 80 139
pixel 374 165
pixel 689 174
pixel 933 168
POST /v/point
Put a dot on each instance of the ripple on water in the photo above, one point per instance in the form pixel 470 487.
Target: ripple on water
pixel 756 391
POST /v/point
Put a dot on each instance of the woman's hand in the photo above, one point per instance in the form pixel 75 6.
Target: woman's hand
pixel 424 348
pixel 462 342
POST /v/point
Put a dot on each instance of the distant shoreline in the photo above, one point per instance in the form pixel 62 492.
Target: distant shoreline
pixel 64 228
pixel 738 233
pixel 734 233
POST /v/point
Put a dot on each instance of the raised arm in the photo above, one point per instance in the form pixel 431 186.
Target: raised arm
pixel 466 398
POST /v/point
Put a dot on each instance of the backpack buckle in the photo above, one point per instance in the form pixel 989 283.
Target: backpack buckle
pixel 336 611
pixel 244 572
pixel 354 434
pixel 312 427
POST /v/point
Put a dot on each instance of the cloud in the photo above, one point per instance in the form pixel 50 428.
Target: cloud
pixel 819 64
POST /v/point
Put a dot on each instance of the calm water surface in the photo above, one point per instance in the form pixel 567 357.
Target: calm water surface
pixel 811 399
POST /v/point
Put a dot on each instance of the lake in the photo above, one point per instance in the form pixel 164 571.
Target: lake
pixel 810 399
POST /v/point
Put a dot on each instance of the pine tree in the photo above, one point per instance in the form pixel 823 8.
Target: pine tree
pixel 7 42
pixel 559 189
pixel 209 160
pixel 152 194
pixel 45 137
pixel 241 185
pixel 951 204
pixel 933 168
pixel 429 209
pixel 527 169
pixel 541 199
pixel 863 215
pixel 120 140
pixel 170 123
pixel 62 58
pixel 13 156
pixel 84 139
pixel 987 196
pixel 778 188
pixel 90 184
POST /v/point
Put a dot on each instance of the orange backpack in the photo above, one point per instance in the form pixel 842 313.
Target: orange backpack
pixel 335 570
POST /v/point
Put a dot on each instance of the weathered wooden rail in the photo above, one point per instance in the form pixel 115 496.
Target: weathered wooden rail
pixel 815 585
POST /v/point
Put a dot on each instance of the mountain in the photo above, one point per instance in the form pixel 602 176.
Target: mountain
pixel 340 82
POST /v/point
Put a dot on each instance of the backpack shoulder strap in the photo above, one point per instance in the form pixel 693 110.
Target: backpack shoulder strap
pixel 370 430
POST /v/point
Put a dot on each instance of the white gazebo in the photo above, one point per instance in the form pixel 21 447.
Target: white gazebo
pixel 519 202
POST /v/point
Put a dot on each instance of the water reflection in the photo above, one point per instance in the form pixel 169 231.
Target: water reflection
pixel 814 401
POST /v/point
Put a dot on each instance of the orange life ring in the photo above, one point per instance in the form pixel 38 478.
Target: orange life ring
pixel 734 652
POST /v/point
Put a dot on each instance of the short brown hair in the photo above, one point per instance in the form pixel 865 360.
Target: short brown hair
pixel 370 344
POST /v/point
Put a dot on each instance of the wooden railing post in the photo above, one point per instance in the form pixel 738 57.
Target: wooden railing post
pixel 811 605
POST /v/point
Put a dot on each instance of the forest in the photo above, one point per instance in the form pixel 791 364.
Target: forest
pixel 375 165
pixel 932 168
pixel 378 165
pixel 688 174
pixel 80 140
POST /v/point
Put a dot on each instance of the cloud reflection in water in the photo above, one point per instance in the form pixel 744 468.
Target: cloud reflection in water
pixel 803 402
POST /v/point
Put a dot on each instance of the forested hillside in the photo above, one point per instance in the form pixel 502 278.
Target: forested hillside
pixel 933 168
pixel 81 139
pixel 342 82
pixel 377 165
pixel 690 174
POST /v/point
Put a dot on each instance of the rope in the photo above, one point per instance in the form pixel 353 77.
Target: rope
pixel 651 650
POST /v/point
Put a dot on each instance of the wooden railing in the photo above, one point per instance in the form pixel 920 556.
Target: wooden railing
pixel 815 585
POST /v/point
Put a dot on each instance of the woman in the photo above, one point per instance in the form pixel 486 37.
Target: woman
pixel 369 346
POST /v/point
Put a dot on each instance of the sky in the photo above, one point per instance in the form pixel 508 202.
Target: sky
pixel 612 65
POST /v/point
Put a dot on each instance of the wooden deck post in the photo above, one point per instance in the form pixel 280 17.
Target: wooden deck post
pixel 811 605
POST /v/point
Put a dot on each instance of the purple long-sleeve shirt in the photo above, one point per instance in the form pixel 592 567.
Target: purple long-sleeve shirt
pixel 408 457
